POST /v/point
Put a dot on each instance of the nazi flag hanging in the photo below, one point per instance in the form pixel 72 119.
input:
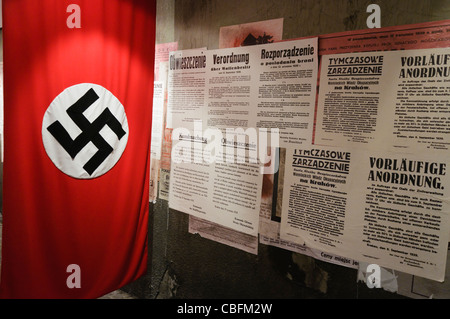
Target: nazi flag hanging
pixel 78 92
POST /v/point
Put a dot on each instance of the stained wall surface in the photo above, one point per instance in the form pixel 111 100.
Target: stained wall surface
pixel 183 265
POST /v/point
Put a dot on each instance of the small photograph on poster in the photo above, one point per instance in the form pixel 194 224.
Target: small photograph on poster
pixel 164 182
pixel 261 32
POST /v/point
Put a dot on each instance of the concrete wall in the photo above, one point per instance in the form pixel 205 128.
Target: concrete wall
pixel 182 265
pixel 197 22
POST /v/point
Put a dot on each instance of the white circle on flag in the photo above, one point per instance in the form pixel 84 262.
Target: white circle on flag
pixel 85 131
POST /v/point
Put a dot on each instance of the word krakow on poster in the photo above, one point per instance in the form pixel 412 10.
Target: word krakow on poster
pixel 378 207
pixel 391 100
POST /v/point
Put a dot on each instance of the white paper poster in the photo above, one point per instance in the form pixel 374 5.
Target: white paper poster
pixel 239 99
pixel 378 207
pixel 186 87
pixel 390 100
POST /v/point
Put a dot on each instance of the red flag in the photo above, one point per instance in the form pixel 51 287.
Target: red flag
pixel 78 88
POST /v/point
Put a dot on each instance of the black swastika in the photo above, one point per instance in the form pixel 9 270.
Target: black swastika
pixel 90 131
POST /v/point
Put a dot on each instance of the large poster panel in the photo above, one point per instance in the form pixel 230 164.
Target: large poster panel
pixel 385 100
pixel 379 151
pixel 384 208
pixel 248 99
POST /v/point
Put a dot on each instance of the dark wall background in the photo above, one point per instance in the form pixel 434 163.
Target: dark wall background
pixel 183 265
